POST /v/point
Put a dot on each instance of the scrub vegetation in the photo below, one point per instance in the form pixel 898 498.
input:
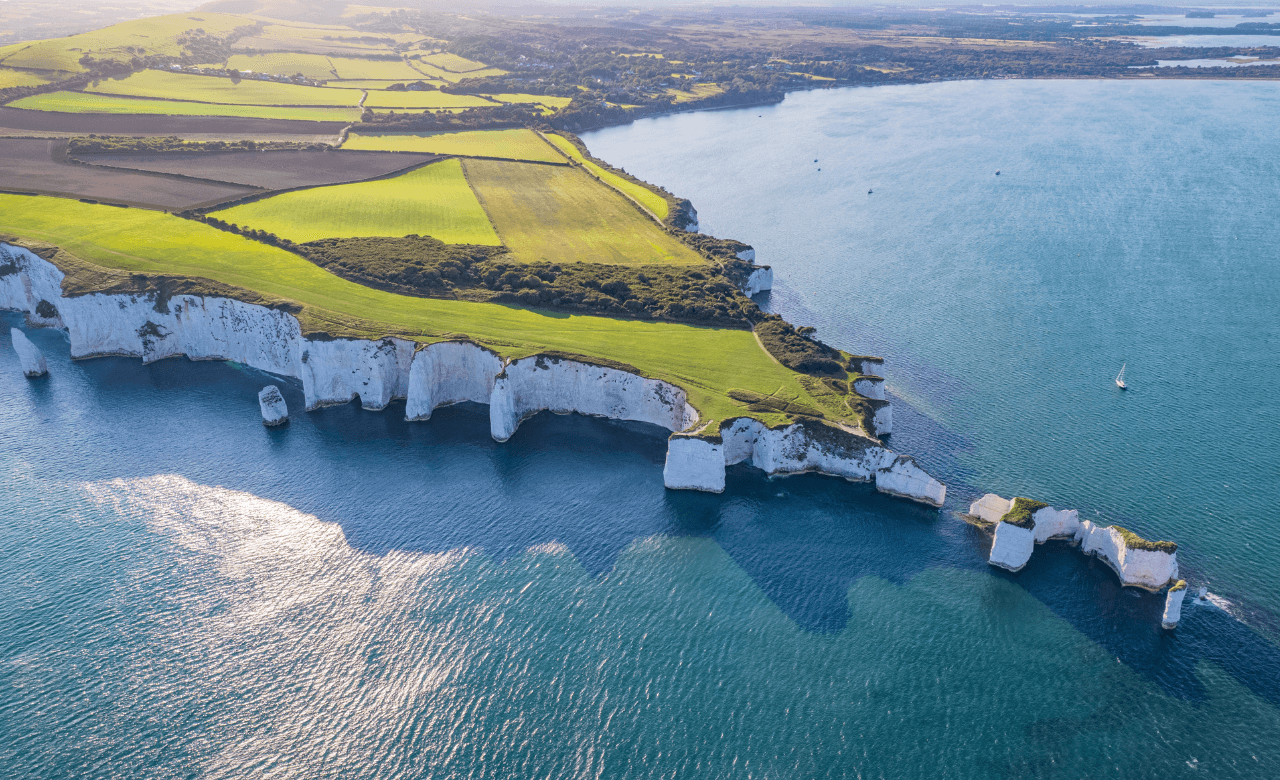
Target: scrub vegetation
pixel 434 200
pixel 1135 542
pixel 1022 512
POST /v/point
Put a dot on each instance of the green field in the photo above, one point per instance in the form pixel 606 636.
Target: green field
pixel 356 68
pixel 706 362
pixel 429 99
pixel 121 42
pixel 313 66
pixel 516 144
pixel 438 73
pixel 80 103
pixel 21 78
pixel 698 92
pixel 432 201
pixel 643 195
pixel 164 85
pixel 551 101
pixel 561 215
pixel 383 83
pixel 452 62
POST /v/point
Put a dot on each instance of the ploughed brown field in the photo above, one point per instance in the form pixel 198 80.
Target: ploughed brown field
pixel 40 165
pixel 273 170
pixel 139 124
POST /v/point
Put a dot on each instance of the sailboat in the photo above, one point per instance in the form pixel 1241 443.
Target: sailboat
pixel 1120 378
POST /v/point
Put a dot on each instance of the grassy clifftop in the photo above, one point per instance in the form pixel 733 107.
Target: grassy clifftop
pixel 110 246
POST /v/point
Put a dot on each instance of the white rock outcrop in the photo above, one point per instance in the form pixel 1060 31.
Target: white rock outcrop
pixel 692 225
pixel 759 280
pixel 870 387
pixel 153 326
pixel 1012 546
pixel 447 373
pixel 1149 569
pixel 882 420
pixel 748 254
pixel 274 410
pixel 990 508
pixel 1173 605
pixel 1056 524
pixel 868 366
pixel 29 355
pixel 796 449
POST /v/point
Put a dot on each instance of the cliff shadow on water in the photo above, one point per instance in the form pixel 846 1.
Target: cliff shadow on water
pixel 594 486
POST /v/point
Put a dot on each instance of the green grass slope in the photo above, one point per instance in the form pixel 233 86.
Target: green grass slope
pixel 706 362
pixel 122 42
pixel 432 201
pixel 561 215
pixel 517 144
pixel 163 85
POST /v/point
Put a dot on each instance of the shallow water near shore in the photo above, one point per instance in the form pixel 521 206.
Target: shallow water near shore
pixel 184 592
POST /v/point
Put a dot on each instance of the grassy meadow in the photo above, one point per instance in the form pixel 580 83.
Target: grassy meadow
pixel 435 72
pixel 355 68
pixel 313 66
pixel 21 78
pixel 82 103
pixel 646 197
pixel 452 62
pixel 157 35
pixel 420 100
pixel 706 362
pixel 515 144
pixel 561 215
pixel 431 201
pixel 164 85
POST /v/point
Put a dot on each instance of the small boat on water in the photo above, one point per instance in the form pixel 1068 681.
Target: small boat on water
pixel 1120 378
pixel 997 173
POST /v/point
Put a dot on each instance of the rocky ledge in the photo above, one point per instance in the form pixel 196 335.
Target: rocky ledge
pixel 153 326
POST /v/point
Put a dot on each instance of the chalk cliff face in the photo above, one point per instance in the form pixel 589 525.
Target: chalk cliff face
pixel 555 384
pixel 990 508
pixel 335 371
pixel 274 410
pixel 1056 524
pixel 748 254
pixel 870 387
pixel 1149 569
pixel 1012 547
pixel 447 373
pixel 698 462
pixel 761 279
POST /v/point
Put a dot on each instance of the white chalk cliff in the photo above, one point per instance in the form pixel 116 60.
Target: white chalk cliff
pixel 274 410
pixel 1149 569
pixel 29 355
pixel 761 279
pixel 335 371
pixel 1173 605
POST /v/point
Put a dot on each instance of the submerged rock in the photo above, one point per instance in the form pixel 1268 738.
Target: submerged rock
pixel 274 409
pixel 32 360
pixel 1173 605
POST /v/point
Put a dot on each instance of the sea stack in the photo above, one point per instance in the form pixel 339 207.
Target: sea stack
pixel 33 364
pixel 1173 605
pixel 274 410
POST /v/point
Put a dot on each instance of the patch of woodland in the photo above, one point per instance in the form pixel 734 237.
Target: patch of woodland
pixel 115 144
pixel 478 118
pixel 798 349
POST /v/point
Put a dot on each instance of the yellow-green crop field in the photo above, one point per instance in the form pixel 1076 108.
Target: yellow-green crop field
pixel 162 85
pixel 356 68
pixel 434 72
pixel 21 78
pixel 643 195
pixel 697 92
pixel 377 84
pixel 431 201
pixel 121 42
pixel 313 66
pixel 515 144
pixel 81 103
pixel 452 62
pixel 555 214
pixel 706 362
pixel 428 99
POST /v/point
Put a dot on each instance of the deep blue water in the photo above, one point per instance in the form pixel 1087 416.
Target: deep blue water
pixel 184 593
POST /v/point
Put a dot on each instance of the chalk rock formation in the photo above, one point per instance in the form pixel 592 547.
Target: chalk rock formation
pixel 1173 605
pixel 447 373
pixel 697 461
pixel 761 279
pixel 692 225
pixel 274 410
pixel 1143 568
pixel 1056 524
pixel 870 387
pixel 153 326
pixel 1012 546
pixel 990 508
pixel 557 384
pixel 748 254
pixel 29 355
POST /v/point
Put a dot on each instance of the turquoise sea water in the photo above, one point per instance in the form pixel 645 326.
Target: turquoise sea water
pixel 184 593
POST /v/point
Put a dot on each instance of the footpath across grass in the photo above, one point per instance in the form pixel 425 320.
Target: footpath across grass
pixel 561 215
pixel 706 362
pixel 432 201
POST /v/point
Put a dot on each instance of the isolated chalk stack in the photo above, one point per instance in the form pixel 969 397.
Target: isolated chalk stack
pixel 274 409
pixel 32 360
